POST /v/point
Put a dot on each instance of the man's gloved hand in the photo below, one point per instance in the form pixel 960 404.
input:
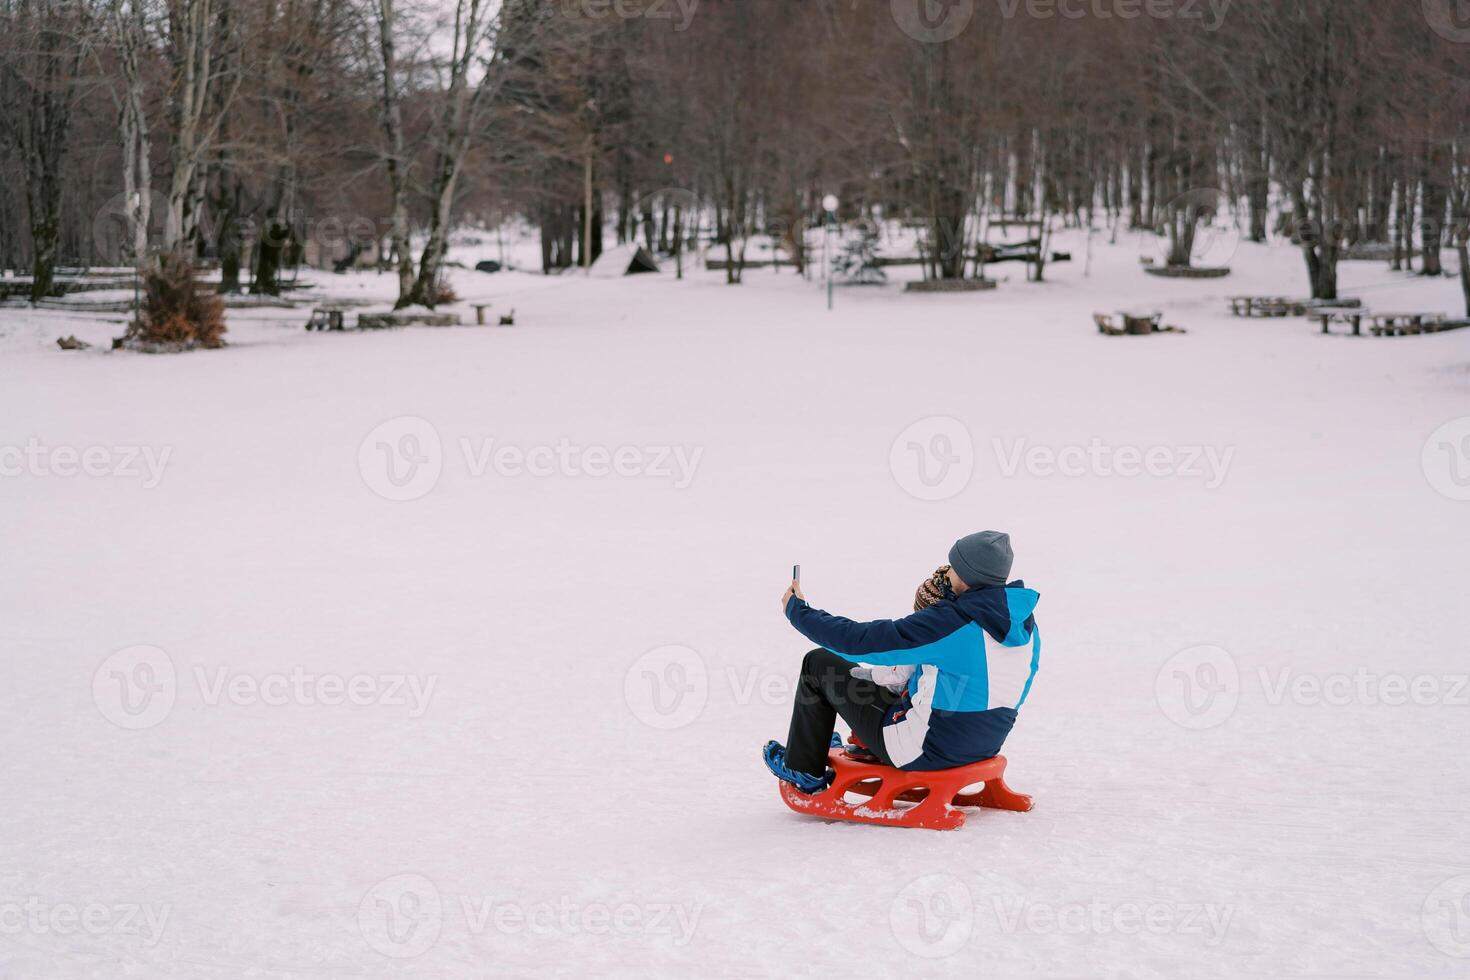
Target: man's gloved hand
pixel 862 673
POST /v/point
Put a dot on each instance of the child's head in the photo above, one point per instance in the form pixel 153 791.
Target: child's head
pixel 980 560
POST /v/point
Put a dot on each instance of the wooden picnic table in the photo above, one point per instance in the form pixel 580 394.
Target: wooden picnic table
pixel 1402 324
pixel 1349 316
pixel 1281 306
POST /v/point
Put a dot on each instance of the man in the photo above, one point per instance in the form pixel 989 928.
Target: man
pixel 971 673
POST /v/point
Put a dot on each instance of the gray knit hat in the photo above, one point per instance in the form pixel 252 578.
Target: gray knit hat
pixel 983 559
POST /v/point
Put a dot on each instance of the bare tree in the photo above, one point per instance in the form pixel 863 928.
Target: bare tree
pixel 194 33
pixel 128 25
pixel 396 160
pixel 49 43
pixel 482 30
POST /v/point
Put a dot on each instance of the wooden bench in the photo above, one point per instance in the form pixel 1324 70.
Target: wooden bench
pixel 1260 306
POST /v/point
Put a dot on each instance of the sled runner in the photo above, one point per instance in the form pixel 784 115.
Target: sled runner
pixel 935 796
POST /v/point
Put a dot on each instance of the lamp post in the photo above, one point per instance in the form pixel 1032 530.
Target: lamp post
pixel 829 204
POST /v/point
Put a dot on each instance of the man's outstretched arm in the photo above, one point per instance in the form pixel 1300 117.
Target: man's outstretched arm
pixel 916 639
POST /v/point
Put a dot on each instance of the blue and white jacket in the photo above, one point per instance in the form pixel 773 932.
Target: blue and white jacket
pixel 973 671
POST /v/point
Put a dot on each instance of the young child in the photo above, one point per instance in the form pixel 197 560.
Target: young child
pixel 896 679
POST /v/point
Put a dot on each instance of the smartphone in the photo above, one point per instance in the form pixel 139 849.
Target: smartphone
pixel 796 574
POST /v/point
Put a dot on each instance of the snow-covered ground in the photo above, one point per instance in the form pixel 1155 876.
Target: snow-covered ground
pixel 450 652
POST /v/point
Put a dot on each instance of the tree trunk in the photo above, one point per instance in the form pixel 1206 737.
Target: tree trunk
pixel 44 197
pixel 1462 249
pixel 1436 201
pixel 130 28
pixel 395 157
pixel 271 250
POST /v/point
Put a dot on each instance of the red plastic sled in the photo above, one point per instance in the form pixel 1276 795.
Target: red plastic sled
pixel 936 796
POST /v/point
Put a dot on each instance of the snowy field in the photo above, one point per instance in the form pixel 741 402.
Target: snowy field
pixel 450 653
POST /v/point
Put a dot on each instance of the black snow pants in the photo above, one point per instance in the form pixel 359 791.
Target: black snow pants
pixel 826 690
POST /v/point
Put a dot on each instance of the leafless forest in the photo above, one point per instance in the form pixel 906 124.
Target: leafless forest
pixel 247 134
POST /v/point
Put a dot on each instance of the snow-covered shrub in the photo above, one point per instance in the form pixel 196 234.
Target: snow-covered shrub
pixel 177 313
